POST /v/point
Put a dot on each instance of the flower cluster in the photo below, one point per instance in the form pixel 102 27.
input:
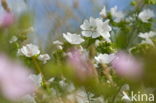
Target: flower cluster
pixel 101 63
pixel 31 50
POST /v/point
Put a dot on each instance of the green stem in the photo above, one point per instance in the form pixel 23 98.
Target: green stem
pixel 38 69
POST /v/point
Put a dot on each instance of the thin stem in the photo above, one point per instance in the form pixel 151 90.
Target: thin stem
pixel 106 72
pixel 38 69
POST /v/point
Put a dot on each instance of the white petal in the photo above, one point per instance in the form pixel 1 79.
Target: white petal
pixel 73 38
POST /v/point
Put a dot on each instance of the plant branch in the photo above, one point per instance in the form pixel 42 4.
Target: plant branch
pixel 5 5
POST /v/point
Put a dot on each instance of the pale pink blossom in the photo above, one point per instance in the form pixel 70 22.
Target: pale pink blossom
pixel 127 66
pixel 81 64
pixel 6 19
pixel 14 82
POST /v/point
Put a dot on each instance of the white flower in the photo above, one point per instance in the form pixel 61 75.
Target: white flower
pixel 89 27
pixel 57 42
pixel 145 15
pixel 51 79
pixel 147 37
pixel 147 41
pixel 103 12
pixel 117 15
pixel 104 29
pixel 73 38
pixel 125 87
pixel 13 39
pixel 95 28
pixel 44 58
pixel 80 96
pixel 104 58
pixel 37 79
pixel 28 99
pixel 29 50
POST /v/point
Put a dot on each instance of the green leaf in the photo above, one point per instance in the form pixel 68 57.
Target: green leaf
pixel 152 2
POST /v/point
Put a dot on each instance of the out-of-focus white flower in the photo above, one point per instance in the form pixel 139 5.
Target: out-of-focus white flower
pixel 28 99
pixel 73 38
pixel 125 87
pixel 117 15
pixel 28 30
pixel 68 86
pixel 14 82
pixel 13 39
pixel 57 42
pixel 147 37
pixel 147 41
pixel 97 43
pixel 95 28
pixel 145 15
pixel 29 50
pixel 79 96
pixel 44 58
pixel 103 12
pixel 63 83
pixel 104 58
pixel 51 79
pixel 37 79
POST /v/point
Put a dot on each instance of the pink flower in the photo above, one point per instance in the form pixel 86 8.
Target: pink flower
pixel 81 64
pixel 14 82
pixel 127 66
pixel 6 19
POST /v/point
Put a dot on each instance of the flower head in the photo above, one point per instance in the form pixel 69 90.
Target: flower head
pixel 104 29
pixel 127 66
pixel 13 39
pixel 95 28
pixel 103 12
pixel 36 79
pixel 44 58
pixel 73 38
pixel 29 50
pixel 81 64
pixel 145 15
pixel 104 58
pixel 6 19
pixel 14 82
pixel 147 37
pixel 117 15
pixel 89 27
pixel 58 44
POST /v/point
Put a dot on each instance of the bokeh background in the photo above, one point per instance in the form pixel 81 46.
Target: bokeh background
pixel 54 17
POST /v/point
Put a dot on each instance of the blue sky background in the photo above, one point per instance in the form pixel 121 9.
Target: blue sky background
pixel 42 8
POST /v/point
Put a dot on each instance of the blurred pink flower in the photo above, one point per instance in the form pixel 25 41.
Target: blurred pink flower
pixel 14 82
pixel 127 66
pixel 6 19
pixel 81 64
